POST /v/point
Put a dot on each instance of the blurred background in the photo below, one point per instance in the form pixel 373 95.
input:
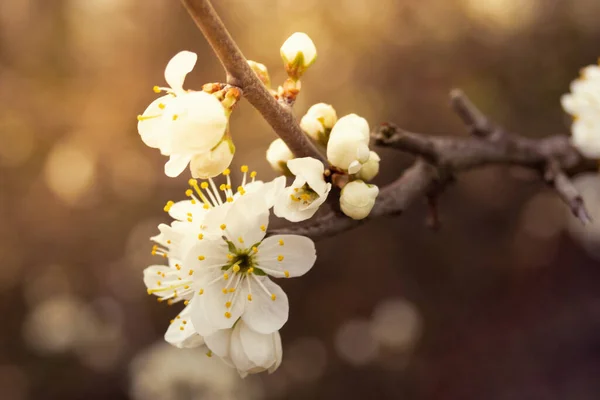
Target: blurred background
pixel 502 303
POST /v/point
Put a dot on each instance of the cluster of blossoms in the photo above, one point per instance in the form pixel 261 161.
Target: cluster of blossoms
pixel 583 103
pixel 220 258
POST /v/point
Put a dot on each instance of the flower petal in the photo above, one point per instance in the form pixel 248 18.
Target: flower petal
pixel 263 314
pixel 310 170
pixel 199 318
pixel 247 220
pixel 297 255
pixel 219 342
pixel 215 303
pixel 278 352
pixel 177 69
pixel 152 125
pixel 176 164
pixel 258 347
pixel 238 355
pixel 197 122
pixel 153 275
pixel 183 335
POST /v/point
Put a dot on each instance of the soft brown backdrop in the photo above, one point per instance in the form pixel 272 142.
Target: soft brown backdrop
pixel 503 303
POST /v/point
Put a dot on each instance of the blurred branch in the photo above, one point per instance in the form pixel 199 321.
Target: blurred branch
pixel 277 114
pixel 439 158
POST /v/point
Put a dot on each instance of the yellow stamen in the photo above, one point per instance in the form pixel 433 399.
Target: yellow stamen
pixel 200 236
pixel 201 258
pixel 201 291
pixel 281 242
pixel 227 171
pixel 263 228
pixel 227 314
pixel 236 268
pixel 228 304
pixel 168 206
pixel 225 276
pixel 191 272
pixel 244 168
pixel 224 290
pixel 250 270
pixel 175 116
pixel 255 249
pixel 223 227
pixel 156 89
pixel 286 273
pixel 280 258
pixel 249 297
pixel 273 297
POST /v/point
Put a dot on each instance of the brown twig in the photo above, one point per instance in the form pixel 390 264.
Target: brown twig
pixel 277 114
pixel 441 157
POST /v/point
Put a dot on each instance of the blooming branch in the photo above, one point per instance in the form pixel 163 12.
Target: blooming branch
pixel 440 158
pixel 277 114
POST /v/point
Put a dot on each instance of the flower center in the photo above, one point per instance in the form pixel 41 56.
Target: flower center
pixel 304 194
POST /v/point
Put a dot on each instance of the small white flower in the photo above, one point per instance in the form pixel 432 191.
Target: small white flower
pixel 248 351
pixel 298 53
pixel 583 103
pixel 182 124
pixel 212 163
pixel 278 154
pixel 357 199
pixel 175 282
pixel 370 169
pixel 348 146
pixel 318 122
pixel 301 200
pixel 232 271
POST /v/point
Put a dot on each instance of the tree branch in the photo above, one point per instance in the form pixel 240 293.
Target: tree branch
pixel 278 115
pixel 441 157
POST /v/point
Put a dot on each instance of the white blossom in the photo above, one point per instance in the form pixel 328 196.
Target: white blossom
pixel 182 123
pixel 348 146
pixel 583 103
pixel 249 352
pixel 220 264
pixel 232 271
pixel 301 200
pixel 174 282
pixel 298 53
pixel 207 165
pixel 358 198
pixel 318 122
pixel 370 169
pixel 278 154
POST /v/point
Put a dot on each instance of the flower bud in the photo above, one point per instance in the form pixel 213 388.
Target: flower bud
pixel 318 122
pixel 278 154
pixel 212 163
pixel 357 199
pixel 370 169
pixel 261 71
pixel 348 146
pixel 298 53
